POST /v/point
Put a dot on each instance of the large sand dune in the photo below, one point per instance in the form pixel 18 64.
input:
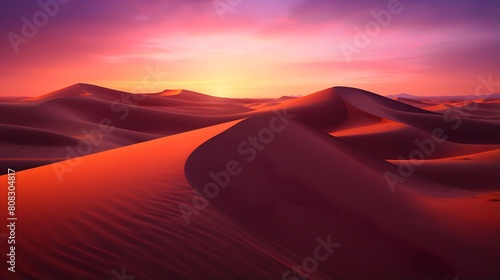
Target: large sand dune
pixel 189 186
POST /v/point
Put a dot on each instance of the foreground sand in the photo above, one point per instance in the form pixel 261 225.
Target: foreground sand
pixel 318 172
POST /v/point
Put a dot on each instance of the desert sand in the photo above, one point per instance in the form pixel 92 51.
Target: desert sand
pixel 182 185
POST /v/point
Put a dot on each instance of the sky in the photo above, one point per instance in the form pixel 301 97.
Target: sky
pixel 249 48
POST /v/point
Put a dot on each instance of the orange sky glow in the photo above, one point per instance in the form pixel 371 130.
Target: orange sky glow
pixel 252 48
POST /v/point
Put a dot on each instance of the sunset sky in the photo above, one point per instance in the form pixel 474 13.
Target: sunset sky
pixel 251 48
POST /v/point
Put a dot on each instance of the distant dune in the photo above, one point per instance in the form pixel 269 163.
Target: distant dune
pixel 182 185
pixel 446 98
pixel 79 110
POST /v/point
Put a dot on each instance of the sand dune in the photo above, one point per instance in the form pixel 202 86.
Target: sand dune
pixel 412 102
pixel 281 178
pixel 82 108
pixel 85 111
pixel 312 181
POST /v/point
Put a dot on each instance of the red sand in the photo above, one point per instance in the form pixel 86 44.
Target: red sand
pixel 317 174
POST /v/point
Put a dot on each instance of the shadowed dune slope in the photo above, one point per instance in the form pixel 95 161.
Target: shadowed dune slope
pixel 291 192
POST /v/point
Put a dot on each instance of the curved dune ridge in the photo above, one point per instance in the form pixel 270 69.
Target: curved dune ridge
pixel 84 111
pixel 189 186
pixel 317 185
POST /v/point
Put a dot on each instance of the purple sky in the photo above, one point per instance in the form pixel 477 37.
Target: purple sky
pixel 252 48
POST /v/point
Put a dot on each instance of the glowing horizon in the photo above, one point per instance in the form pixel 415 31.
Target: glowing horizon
pixel 254 48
